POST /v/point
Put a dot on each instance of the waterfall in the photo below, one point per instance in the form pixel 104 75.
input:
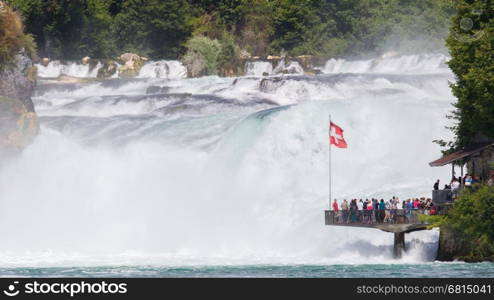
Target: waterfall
pixel 221 170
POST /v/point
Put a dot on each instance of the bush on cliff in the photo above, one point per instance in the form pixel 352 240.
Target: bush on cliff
pixel 472 219
pixel 202 57
pixel 12 37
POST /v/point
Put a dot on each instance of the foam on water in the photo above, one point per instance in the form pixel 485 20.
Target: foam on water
pixel 56 68
pixel 233 172
pixel 258 68
pixel 163 69
pixel 409 64
pixel 169 69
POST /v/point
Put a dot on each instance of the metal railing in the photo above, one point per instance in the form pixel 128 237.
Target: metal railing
pixel 442 197
pixel 375 217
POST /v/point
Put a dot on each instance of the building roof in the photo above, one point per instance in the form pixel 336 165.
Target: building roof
pixel 450 158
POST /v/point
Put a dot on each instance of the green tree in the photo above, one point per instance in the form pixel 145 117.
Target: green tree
pixel 472 220
pixel 153 27
pixel 471 44
pixel 202 57
pixel 68 29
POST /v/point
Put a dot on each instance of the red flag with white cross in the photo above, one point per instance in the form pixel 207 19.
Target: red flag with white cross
pixel 336 136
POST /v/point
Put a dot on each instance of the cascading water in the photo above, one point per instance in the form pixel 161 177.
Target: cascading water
pixel 163 69
pixel 169 69
pixel 56 68
pixel 409 64
pixel 221 170
pixel 258 68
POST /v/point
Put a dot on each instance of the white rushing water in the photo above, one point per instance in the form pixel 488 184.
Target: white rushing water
pixel 258 68
pixel 221 170
pixel 168 69
pixel 56 68
pixel 409 64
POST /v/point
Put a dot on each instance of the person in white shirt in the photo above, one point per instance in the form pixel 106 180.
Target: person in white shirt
pixel 455 186
pixel 360 207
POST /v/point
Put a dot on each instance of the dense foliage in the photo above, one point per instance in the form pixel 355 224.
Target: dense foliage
pixel 161 28
pixel 471 44
pixel 472 219
pixel 12 37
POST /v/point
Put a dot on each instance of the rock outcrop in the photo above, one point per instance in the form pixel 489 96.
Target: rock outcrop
pixel 18 126
pixel 18 121
pixel 451 246
pixel 132 63
pixel 108 69
pixel 18 82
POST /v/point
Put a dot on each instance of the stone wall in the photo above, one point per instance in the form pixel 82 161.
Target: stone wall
pixel 451 246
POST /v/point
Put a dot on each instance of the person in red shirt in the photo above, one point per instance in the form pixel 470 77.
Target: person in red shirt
pixel 335 205
pixel 336 211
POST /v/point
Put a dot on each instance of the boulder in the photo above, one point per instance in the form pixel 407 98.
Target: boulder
pixel 273 57
pixel 85 60
pixel 306 62
pixel 108 69
pixel 132 63
pixel 45 61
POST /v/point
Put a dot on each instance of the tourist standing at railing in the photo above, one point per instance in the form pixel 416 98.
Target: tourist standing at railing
pixel 416 203
pixel 366 210
pixel 408 208
pixel 394 206
pixel 436 185
pixel 455 186
pixel 344 210
pixel 468 181
pixel 369 212
pixel 353 210
pixel 335 206
pixel 387 216
pixel 375 208
pixel 382 208
pixel 336 212
pixel 360 206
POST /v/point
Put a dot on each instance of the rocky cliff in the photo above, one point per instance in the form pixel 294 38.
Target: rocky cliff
pixel 18 82
pixel 18 126
pixel 18 121
pixel 451 246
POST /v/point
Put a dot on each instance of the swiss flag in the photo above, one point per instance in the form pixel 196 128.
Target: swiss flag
pixel 336 136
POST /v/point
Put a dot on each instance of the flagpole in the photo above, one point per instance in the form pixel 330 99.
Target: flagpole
pixel 330 190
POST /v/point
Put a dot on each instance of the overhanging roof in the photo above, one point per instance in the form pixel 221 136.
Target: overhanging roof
pixel 450 158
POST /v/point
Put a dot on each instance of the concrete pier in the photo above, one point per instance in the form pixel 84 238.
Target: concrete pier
pixel 402 222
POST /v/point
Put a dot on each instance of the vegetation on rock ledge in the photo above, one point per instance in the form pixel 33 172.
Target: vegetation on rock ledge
pixel 12 37
pixel 71 29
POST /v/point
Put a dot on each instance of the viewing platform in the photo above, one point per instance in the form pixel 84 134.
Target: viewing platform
pixel 397 221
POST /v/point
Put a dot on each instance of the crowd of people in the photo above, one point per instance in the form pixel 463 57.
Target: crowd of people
pixel 457 183
pixel 371 211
